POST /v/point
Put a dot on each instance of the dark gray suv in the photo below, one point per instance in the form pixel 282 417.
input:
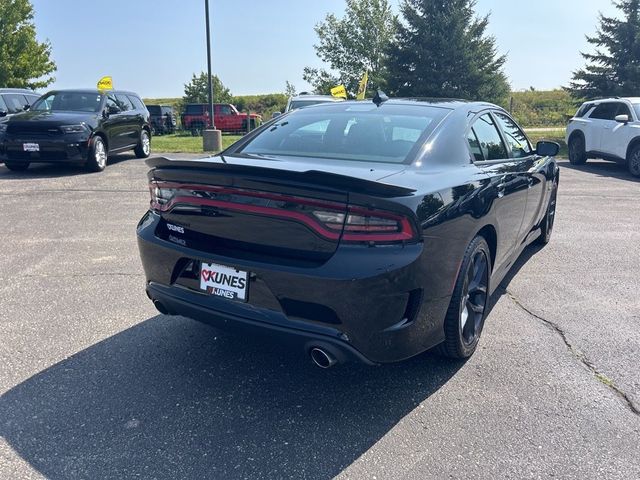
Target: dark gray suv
pixel 15 100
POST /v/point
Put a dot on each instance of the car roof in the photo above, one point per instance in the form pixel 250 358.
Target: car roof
pixel 91 90
pixel 613 99
pixel 328 98
pixel 18 90
pixel 448 103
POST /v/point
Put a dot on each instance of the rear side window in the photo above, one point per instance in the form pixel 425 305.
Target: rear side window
pixel 605 111
pixel 124 103
pixel 3 106
pixel 137 103
pixel 583 110
pixel 488 140
pixel 15 102
pixel 194 110
pixel 516 138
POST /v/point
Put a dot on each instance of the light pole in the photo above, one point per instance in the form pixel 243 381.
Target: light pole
pixel 211 138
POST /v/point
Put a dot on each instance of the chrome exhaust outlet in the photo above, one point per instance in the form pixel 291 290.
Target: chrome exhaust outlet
pixel 322 358
pixel 160 307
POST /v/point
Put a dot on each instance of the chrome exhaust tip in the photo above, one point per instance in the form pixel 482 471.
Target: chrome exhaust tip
pixel 322 358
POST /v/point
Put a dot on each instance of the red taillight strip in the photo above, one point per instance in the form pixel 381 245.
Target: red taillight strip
pixel 406 232
pixel 270 211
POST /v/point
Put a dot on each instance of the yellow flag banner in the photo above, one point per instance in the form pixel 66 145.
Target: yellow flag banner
pixel 105 83
pixel 362 86
pixel 339 91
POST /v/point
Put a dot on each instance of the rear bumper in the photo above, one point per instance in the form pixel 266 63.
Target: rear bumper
pixel 66 148
pixel 374 305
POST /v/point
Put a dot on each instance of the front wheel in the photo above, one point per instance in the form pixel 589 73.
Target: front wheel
pixel 465 318
pixel 17 167
pixel 97 160
pixel 633 162
pixel 144 146
pixel 577 153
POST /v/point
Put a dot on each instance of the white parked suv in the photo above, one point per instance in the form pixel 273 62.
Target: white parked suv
pixel 608 129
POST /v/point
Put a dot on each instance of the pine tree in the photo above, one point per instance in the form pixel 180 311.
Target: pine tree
pixel 614 67
pixel 442 50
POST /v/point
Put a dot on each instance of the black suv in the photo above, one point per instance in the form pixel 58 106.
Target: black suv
pixel 163 119
pixel 15 100
pixel 78 126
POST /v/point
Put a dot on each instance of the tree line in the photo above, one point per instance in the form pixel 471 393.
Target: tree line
pixel 432 48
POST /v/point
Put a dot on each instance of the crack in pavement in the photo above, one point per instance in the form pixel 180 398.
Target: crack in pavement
pixel 581 357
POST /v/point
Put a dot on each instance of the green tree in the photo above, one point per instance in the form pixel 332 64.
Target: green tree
pixel 24 62
pixel 353 44
pixel 614 67
pixel 290 90
pixel 442 50
pixel 197 90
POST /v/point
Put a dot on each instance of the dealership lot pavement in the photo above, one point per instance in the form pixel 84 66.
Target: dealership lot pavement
pixel 94 383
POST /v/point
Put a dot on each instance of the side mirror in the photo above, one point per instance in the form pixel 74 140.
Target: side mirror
pixel 622 118
pixel 3 113
pixel 547 149
pixel 26 107
pixel 112 110
pixel 276 114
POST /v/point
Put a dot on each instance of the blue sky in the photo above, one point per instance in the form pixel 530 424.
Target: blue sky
pixel 154 46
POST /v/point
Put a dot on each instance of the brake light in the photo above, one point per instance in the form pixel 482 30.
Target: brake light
pixel 331 220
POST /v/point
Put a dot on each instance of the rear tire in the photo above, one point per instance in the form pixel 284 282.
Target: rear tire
pixel 633 161
pixel 98 155
pixel 546 227
pixel 465 318
pixel 17 167
pixel 144 146
pixel 577 153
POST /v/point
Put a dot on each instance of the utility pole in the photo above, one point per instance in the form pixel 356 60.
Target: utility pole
pixel 211 138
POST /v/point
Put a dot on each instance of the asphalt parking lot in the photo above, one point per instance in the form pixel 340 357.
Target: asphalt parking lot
pixel 94 383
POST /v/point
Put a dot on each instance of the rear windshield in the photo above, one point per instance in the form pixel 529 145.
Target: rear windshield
pixel 69 102
pixel 154 109
pixel 357 132
pixel 166 110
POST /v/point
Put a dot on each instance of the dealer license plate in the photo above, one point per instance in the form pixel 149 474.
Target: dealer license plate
pixel 225 282
pixel 31 147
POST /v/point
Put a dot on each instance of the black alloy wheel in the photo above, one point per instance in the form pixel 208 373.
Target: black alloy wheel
pixel 465 317
pixel 546 226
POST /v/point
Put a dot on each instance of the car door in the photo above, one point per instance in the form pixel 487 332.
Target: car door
pixel 132 121
pixel 508 182
pixel 616 140
pixel 521 152
pixel 113 124
pixel 601 125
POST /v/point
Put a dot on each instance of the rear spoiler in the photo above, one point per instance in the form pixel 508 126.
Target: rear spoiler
pixel 316 177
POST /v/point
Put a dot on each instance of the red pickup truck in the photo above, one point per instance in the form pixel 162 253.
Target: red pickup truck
pixel 226 118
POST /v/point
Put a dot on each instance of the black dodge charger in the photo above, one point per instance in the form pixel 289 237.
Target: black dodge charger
pixel 354 230
pixel 76 126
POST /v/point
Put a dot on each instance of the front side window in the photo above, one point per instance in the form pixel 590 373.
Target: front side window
pixel 353 132
pixel 3 106
pixel 15 102
pixel 488 139
pixel 69 102
pixel 225 110
pixel 623 109
pixel 516 138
